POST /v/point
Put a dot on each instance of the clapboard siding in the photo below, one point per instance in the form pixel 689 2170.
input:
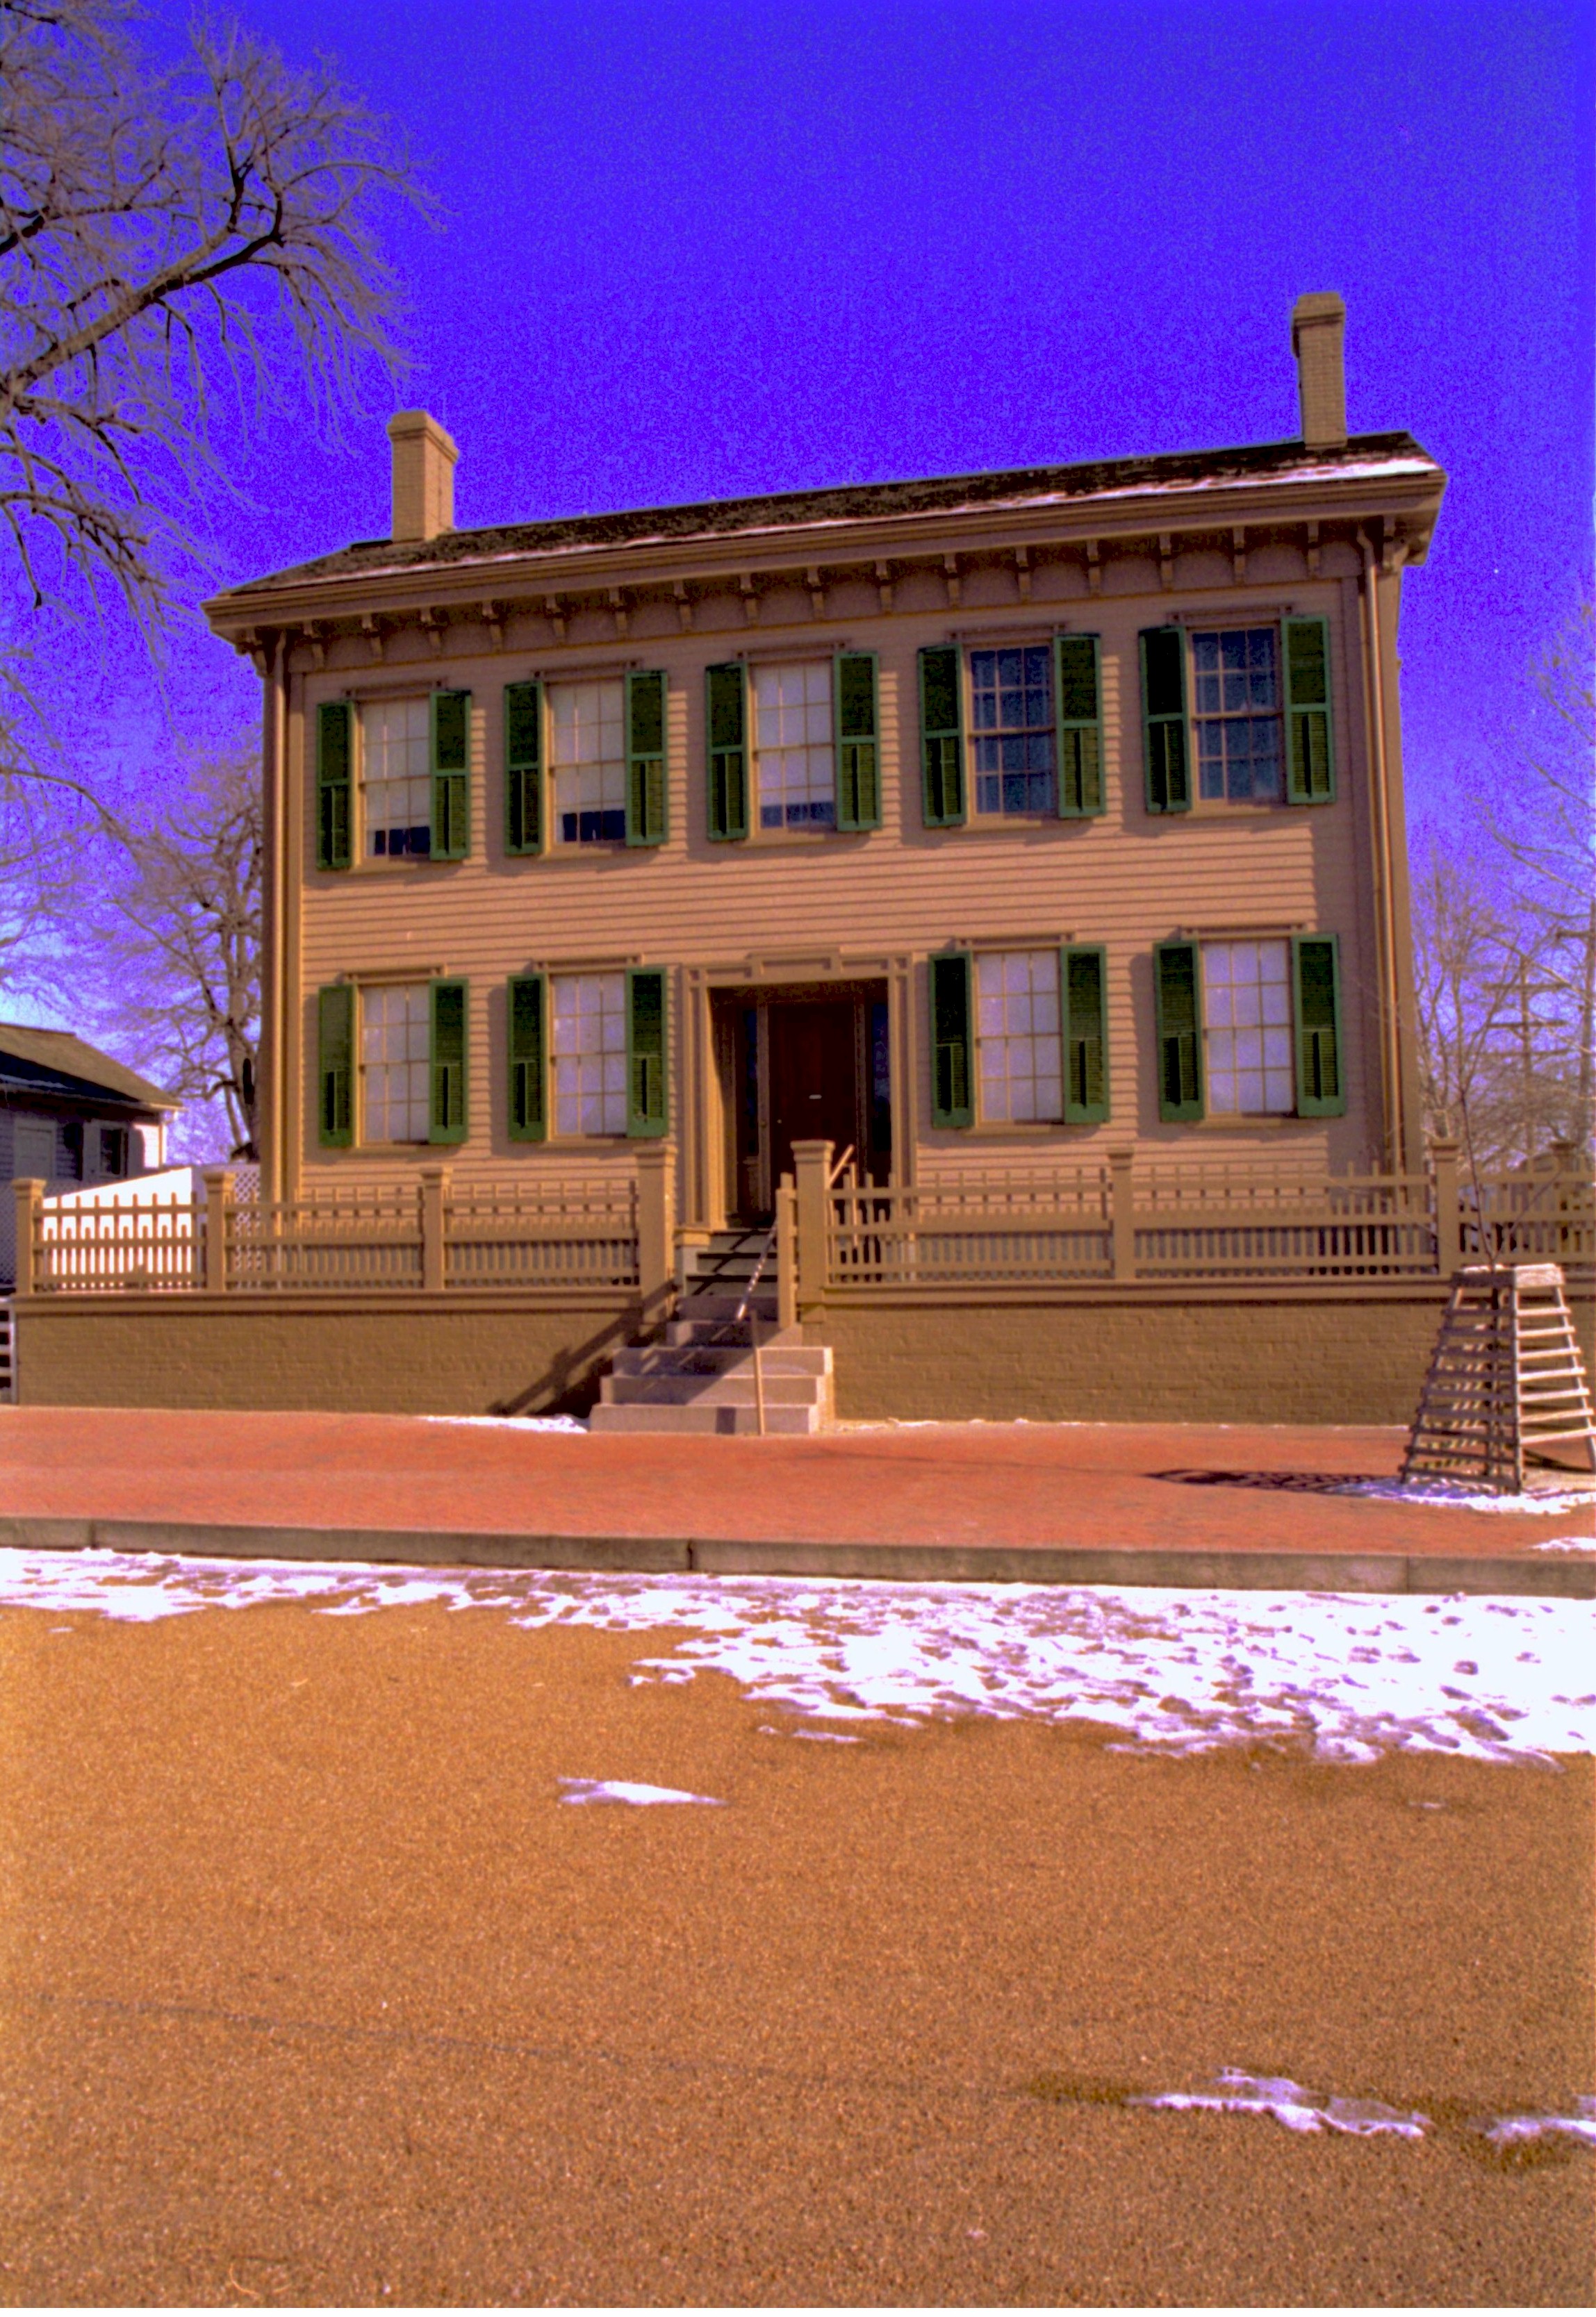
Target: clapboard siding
pixel 1127 880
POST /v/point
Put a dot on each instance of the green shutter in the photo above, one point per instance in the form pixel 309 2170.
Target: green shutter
pixel 728 719
pixel 450 775
pixel 1309 757
pixel 335 748
pixel 648 1108
pixel 446 1057
pixel 858 741
pixel 1178 972
pixel 942 739
pixel 1164 720
pixel 334 1064
pixel 645 757
pixel 951 1057
pixel 1320 1080
pixel 1083 979
pixel 529 1105
pixel 523 768
pixel 1079 693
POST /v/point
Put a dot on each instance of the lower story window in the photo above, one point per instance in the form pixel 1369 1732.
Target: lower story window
pixel 796 758
pixel 589 1053
pixel 1011 713
pixel 1247 1027
pixel 588 735
pixel 113 1150
pixel 1016 1012
pixel 395 754
pixel 394 1048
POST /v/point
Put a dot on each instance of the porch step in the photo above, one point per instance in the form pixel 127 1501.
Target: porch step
pixel 783 1354
pixel 728 1308
pixel 704 1417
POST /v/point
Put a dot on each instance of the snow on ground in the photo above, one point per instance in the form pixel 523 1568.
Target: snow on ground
pixel 1467 1495
pixel 1345 1676
pixel 1235 2093
pixel 625 1790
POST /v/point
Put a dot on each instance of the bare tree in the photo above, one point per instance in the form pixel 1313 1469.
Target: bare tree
pixel 1547 832
pixel 162 233
pixel 177 944
pixel 1462 945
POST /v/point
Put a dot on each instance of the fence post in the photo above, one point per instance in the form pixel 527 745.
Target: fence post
pixel 218 1203
pixel 30 1202
pixel 435 1191
pixel 656 1228
pixel 1122 1213
pixel 812 1161
pixel 787 1254
pixel 1448 1234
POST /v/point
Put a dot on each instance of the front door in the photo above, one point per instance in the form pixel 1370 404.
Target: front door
pixel 814 1078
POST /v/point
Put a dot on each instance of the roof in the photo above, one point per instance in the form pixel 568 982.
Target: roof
pixel 1391 456
pixel 54 1062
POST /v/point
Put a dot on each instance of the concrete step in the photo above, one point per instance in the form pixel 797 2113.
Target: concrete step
pixel 721 1359
pixel 702 1417
pixel 727 1305
pixel 729 1333
pixel 713 1391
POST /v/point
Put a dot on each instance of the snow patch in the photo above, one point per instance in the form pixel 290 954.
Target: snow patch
pixel 517 1423
pixel 623 1790
pixel 1466 1495
pixel 1344 1677
pixel 1235 2094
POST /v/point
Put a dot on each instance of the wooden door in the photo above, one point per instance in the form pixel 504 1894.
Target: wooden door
pixel 814 1078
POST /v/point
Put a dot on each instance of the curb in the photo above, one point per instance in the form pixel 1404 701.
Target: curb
pixel 1569 1576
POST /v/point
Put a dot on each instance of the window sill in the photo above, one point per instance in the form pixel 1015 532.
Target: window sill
pixel 1021 1130
pixel 1249 1122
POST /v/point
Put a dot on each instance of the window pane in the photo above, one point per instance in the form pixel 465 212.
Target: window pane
pixel 1017 1007
pixel 396 756
pixel 797 772
pixel 394 1047
pixel 588 744
pixel 1247 1027
pixel 1234 676
pixel 589 1053
pixel 1011 697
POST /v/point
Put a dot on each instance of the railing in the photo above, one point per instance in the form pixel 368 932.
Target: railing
pixel 427 1235
pixel 1124 1218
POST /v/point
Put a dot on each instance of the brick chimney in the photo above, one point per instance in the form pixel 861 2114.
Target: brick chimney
pixel 1317 324
pixel 423 457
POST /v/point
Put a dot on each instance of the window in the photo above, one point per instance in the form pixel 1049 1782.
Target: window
pixel 796 761
pixel 1017 1047
pixel 1247 1027
pixel 113 1150
pixel 395 1053
pixel 587 731
pixel 1011 717
pixel 589 1053
pixel 1237 696
pixel 396 757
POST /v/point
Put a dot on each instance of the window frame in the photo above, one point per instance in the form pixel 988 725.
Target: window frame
pixel 1308 752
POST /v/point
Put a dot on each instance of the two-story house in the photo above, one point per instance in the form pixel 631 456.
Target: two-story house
pixel 962 822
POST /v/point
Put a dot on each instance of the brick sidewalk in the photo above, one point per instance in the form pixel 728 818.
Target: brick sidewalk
pixel 1050 1500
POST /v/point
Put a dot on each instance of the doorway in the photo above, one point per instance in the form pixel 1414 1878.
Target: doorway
pixel 806 1063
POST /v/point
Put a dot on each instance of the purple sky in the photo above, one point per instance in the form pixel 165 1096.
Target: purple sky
pixel 695 250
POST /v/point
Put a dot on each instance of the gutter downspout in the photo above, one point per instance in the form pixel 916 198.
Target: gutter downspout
pixel 273 1114
pixel 1395 1137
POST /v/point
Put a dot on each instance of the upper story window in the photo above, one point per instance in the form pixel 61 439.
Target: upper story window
pixel 1011 713
pixel 794 751
pixel 588 747
pixel 396 786
pixel 1237 716
pixel 1236 693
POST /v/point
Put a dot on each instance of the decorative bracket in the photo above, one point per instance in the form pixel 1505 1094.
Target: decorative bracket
pixel 884 583
pixel 493 620
pixel 817 594
pixel 1094 570
pixel 1022 572
pixel 750 602
pixel 316 638
pixel 1166 560
pixel 1238 554
pixel 556 617
pixel 683 609
pixel 432 626
pixel 950 578
pixel 372 633
pixel 618 611
pixel 1313 550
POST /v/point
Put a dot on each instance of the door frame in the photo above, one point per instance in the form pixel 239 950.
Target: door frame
pixel 710 1193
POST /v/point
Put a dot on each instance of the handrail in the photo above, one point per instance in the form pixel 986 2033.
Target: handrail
pixel 834 1176
pixel 745 1312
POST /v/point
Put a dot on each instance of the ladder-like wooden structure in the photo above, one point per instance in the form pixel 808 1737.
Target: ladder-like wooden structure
pixel 1505 1380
